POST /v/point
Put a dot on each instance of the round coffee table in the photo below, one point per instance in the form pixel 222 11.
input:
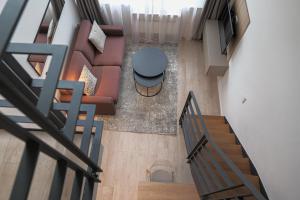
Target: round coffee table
pixel 149 65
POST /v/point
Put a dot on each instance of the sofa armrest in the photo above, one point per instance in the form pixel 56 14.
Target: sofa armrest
pixel 112 30
pixel 104 105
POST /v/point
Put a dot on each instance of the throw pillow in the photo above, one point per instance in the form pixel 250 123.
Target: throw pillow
pixel 97 37
pixel 89 79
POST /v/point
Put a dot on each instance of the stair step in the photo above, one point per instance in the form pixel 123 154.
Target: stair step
pixel 242 163
pixel 253 179
pixel 219 132
pixel 221 139
pixel 221 135
pixel 214 126
pixel 213 117
pixel 214 122
pixel 230 149
pixel 219 128
pixel 166 191
pixel 231 194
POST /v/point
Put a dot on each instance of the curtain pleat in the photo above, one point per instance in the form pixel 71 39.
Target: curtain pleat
pixel 149 26
pixel 58 6
pixel 89 9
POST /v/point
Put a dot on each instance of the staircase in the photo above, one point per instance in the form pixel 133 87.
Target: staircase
pixel 166 191
pixel 36 100
pixel 219 165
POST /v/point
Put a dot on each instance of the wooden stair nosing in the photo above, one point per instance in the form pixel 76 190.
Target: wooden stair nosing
pixel 242 163
pixel 213 117
pixel 230 194
pixel 253 179
pixel 231 149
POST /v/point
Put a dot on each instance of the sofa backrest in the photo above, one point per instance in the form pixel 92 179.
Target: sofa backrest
pixel 73 69
pixel 82 42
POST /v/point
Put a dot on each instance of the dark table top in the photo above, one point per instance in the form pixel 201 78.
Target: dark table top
pixel 148 82
pixel 149 62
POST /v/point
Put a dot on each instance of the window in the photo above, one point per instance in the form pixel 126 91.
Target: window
pixel 166 7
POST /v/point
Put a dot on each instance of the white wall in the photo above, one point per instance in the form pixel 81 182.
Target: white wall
pixel 265 70
pixel 30 21
pixel 27 28
pixel 67 23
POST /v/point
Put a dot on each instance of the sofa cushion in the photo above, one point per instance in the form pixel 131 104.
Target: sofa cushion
pixel 113 52
pixel 112 30
pixel 97 37
pixel 89 80
pixel 104 105
pixel 109 84
pixel 82 42
pixel 74 68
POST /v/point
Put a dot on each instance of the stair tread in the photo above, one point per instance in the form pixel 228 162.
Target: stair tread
pixel 231 194
pixel 214 128
pixel 166 191
pixel 236 159
pixel 242 163
pixel 228 146
pixel 222 135
pixel 223 140
pixel 213 124
pixel 213 117
pixel 252 178
pixel 228 149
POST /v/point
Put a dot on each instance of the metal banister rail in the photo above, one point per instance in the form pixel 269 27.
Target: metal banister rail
pixel 214 181
pixel 35 99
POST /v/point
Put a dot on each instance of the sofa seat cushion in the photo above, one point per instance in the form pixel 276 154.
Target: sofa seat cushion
pixel 73 69
pixel 104 105
pixel 109 84
pixel 113 52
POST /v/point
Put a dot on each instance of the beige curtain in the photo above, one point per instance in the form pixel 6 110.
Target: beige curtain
pixel 57 7
pixel 90 9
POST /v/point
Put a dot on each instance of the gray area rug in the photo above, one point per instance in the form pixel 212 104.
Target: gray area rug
pixel 139 114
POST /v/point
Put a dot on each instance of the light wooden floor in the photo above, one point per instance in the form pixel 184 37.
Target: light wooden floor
pixel 127 155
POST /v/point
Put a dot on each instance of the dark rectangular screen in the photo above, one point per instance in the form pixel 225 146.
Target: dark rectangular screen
pixel 226 27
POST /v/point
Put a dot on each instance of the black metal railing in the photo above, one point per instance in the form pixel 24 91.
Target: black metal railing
pixel 212 179
pixel 36 100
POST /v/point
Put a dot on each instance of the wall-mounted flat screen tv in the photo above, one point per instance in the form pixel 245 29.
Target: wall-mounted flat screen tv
pixel 226 27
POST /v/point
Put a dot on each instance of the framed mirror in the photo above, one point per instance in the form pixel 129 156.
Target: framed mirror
pixel 46 33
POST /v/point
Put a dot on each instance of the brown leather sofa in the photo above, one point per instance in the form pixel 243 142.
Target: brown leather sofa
pixel 105 66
